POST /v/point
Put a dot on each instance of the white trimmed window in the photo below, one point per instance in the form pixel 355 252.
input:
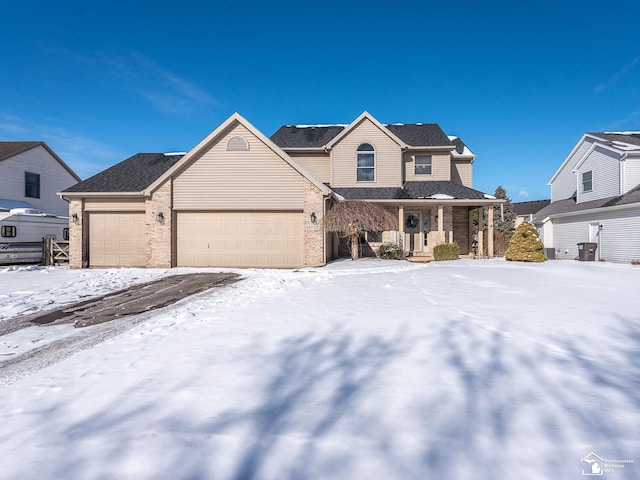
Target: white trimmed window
pixel 423 165
pixel 366 163
pixel 587 181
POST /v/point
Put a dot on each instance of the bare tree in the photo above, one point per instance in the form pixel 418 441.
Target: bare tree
pixel 352 217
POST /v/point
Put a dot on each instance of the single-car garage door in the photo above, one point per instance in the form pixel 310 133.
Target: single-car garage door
pixel 240 239
pixel 117 239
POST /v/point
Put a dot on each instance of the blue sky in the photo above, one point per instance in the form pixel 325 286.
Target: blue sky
pixel 519 82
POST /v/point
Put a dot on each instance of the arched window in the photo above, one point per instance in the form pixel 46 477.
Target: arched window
pixel 366 163
pixel 237 144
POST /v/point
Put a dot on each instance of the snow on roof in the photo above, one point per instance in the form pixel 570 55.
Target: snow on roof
pixel 441 196
pixel 490 197
pixel 168 154
pixel 628 132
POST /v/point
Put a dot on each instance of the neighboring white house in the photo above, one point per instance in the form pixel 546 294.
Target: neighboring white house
pixel 595 197
pixel 30 175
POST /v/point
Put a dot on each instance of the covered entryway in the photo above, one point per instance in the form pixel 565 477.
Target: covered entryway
pixel 117 239
pixel 240 239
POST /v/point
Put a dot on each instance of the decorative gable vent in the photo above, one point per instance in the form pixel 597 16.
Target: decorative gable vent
pixel 237 144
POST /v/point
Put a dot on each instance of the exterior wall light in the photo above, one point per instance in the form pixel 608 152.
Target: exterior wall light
pixel 74 219
pixel 314 219
pixel 160 217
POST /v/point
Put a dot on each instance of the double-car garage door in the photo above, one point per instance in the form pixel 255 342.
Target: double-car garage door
pixel 240 239
pixel 203 239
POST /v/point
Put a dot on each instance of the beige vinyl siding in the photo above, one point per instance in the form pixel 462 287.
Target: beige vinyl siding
pixel 114 204
pixel 117 239
pixel 240 180
pixel 605 168
pixel 53 178
pixel 462 172
pixel 440 167
pixel 388 158
pixel 240 239
pixel 317 164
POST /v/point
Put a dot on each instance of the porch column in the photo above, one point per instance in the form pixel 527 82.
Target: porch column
pixel 480 232
pixel 490 232
pixel 440 224
pixel 401 224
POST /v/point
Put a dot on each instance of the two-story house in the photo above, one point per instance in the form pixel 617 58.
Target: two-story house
pixel 30 175
pixel 240 199
pixel 595 197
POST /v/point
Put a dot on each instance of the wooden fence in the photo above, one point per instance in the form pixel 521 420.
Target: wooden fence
pixel 47 252
pixel 54 252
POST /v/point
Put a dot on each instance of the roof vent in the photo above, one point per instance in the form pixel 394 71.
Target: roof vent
pixel 237 144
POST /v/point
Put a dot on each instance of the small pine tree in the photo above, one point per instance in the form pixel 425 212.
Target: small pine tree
pixel 525 245
pixel 504 221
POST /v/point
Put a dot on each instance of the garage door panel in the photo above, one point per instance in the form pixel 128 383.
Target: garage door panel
pixel 117 239
pixel 240 239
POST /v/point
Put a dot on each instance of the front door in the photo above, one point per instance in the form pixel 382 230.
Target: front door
pixel 412 228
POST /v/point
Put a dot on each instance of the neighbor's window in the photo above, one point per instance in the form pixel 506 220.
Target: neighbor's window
pixel 423 165
pixel 31 185
pixel 8 231
pixel 587 181
pixel 366 163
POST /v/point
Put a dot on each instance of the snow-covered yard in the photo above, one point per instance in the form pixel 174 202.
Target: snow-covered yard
pixel 359 370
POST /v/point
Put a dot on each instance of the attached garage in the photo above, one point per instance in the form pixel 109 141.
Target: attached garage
pixel 240 239
pixel 117 239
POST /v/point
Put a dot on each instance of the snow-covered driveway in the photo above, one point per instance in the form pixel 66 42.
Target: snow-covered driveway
pixel 368 369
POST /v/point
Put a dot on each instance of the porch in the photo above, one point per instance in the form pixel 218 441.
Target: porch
pixel 426 224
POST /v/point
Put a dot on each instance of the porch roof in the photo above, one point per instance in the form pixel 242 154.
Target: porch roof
pixel 436 190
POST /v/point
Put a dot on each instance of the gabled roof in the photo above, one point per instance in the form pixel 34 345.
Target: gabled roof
pixel 132 175
pixel 325 136
pixel 213 136
pixel 413 191
pixel 632 138
pixel 569 205
pixel 620 142
pixel 529 208
pixel 11 149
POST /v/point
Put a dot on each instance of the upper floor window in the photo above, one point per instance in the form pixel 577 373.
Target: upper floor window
pixel 237 144
pixel 587 181
pixel 366 163
pixel 423 165
pixel 31 185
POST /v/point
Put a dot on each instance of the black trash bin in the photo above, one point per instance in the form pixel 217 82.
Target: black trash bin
pixel 587 251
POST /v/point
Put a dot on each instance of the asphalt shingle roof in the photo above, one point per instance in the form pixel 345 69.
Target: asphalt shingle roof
pixel 569 205
pixel 531 207
pixel 416 135
pixel 626 137
pixel 411 190
pixel 289 136
pixel 420 134
pixel 9 149
pixel 131 175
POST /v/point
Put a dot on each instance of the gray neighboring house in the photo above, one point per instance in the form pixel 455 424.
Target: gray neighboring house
pixel 31 174
pixel 595 197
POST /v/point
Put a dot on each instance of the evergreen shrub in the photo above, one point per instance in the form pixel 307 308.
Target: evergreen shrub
pixel 525 245
pixel 446 251
pixel 390 251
